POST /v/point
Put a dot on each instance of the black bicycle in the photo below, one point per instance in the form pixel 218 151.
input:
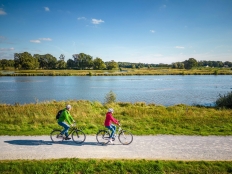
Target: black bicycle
pixel 78 136
pixel 125 137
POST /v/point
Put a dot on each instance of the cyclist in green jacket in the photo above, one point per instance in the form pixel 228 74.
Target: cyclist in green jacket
pixel 66 121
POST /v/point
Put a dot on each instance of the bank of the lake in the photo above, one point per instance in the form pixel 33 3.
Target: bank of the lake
pixel 140 118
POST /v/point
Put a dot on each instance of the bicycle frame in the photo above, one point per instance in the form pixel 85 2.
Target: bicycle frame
pixel 124 136
pixel 78 136
pixel 117 132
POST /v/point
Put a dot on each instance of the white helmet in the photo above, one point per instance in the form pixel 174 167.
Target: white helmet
pixel 68 107
pixel 110 110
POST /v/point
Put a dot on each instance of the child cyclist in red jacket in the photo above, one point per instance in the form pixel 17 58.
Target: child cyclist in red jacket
pixel 108 120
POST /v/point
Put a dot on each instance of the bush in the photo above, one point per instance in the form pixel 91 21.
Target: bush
pixel 110 98
pixel 225 100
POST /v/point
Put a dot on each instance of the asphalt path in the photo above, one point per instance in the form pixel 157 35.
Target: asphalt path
pixel 160 147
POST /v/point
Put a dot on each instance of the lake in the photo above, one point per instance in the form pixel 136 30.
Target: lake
pixel 162 90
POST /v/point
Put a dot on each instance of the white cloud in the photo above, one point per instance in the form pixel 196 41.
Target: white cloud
pixel 6 49
pixel 46 9
pixel 97 21
pixel 152 31
pixel 81 18
pixel 2 12
pixel 40 39
pixel 46 39
pixel 179 47
pixel 35 41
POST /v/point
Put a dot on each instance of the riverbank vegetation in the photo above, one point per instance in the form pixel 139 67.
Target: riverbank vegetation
pixel 82 61
pixel 121 72
pixel 86 166
pixel 140 118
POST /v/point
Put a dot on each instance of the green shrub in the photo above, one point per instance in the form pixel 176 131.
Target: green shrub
pixel 110 97
pixel 225 100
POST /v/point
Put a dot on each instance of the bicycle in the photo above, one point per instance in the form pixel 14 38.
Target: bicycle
pixel 78 136
pixel 125 137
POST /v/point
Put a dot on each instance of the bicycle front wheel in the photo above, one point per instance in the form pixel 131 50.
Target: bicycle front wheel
pixel 103 137
pixel 125 137
pixel 55 136
pixel 78 136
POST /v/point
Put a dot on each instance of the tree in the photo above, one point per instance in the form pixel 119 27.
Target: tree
pixel 62 57
pixel 83 61
pixel 98 64
pixel 88 62
pixel 61 64
pixel 190 63
pixel 25 61
pixel 70 63
pixel 46 61
pixel 4 63
pixel 111 65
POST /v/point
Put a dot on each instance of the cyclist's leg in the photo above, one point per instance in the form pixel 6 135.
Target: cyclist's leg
pixel 66 128
pixel 112 128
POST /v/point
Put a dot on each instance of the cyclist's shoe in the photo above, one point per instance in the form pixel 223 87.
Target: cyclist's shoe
pixel 67 138
pixel 113 138
pixel 59 136
pixel 110 141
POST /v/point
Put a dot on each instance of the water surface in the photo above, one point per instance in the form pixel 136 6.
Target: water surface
pixel 164 89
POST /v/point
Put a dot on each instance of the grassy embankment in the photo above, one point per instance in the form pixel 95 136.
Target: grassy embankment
pixel 139 118
pixel 123 72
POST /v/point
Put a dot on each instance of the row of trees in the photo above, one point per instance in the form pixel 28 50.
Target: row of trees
pixel 83 61
pixel 191 62
pixel 80 61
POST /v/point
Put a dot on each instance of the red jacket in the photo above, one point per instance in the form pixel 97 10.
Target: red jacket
pixel 109 119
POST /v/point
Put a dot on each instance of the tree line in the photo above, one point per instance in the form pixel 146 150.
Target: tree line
pixel 82 61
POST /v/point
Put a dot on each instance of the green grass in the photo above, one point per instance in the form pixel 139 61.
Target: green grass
pixel 139 118
pixel 88 166
pixel 129 71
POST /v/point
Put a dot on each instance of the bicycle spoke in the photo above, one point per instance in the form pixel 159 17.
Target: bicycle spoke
pixel 103 137
pixel 125 137
pixel 78 136
pixel 55 136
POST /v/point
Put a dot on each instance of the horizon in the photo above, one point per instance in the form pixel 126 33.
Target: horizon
pixel 153 32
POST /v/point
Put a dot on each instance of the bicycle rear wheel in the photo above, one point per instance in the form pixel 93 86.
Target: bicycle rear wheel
pixel 103 137
pixel 78 136
pixel 55 136
pixel 125 137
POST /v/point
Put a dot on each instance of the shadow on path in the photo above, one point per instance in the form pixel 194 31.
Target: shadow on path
pixel 41 142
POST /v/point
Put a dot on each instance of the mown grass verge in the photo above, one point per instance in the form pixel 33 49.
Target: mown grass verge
pixel 87 166
pixel 139 118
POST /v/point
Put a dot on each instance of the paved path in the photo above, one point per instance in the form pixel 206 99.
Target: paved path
pixel 160 147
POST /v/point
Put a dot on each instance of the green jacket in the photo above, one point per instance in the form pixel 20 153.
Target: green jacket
pixel 65 116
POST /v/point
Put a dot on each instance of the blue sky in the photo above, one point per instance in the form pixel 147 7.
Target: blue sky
pixel 146 31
